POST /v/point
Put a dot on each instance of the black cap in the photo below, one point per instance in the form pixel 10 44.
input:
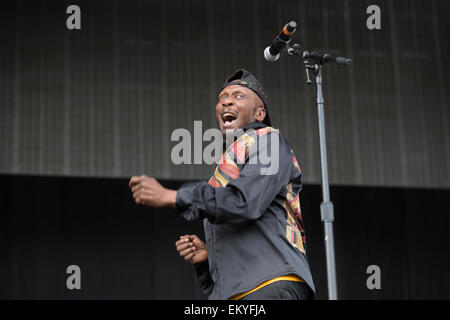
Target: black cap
pixel 246 79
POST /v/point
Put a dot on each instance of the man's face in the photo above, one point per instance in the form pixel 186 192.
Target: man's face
pixel 238 106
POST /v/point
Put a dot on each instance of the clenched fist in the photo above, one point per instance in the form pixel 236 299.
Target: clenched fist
pixel 149 192
pixel 192 249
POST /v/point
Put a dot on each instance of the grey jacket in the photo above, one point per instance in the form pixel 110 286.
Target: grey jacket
pixel 252 221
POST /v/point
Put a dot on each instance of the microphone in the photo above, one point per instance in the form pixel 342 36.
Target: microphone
pixel 272 52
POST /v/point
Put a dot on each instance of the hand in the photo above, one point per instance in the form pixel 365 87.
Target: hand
pixel 192 249
pixel 149 192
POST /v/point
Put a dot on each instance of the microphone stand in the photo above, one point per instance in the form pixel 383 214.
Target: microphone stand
pixel 326 207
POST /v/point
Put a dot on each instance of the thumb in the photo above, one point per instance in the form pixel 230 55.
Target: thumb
pixel 191 237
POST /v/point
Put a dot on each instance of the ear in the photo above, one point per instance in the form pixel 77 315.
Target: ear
pixel 260 114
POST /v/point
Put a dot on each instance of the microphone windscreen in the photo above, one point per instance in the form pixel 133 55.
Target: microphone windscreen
pixel 269 57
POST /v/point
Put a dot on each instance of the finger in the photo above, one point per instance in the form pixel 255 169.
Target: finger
pixel 184 246
pixel 134 180
pixel 136 187
pixel 189 257
pixel 144 198
pixel 138 198
pixel 181 241
pixel 186 251
pixel 147 197
pixel 150 181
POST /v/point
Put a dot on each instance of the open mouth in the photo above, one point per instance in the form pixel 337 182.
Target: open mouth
pixel 228 119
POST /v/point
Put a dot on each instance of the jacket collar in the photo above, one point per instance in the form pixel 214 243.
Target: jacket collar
pixel 254 125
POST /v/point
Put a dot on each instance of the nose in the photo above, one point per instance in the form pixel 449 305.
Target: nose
pixel 227 102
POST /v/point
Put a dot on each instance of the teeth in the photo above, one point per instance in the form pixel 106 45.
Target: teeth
pixel 226 114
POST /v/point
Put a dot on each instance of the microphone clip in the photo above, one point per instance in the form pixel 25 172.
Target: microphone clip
pixel 295 50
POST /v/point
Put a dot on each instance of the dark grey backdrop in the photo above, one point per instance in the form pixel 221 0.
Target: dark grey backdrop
pixel 103 100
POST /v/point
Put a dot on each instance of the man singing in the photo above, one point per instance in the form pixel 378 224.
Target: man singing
pixel 255 241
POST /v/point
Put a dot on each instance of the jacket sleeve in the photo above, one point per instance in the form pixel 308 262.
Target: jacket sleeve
pixel 204 277
pixel 249 195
